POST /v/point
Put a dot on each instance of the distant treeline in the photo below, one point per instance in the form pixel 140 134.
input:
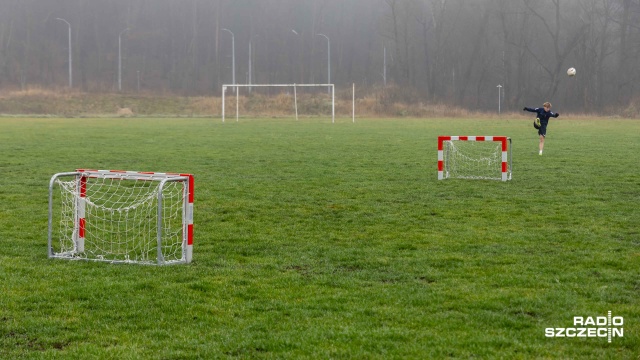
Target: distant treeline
pixel 474 54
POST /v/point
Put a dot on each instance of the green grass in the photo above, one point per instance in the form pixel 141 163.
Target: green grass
pixel 319 240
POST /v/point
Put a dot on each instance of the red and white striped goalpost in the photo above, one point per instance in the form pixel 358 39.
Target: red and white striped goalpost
pixel 504 140
pixel 82 175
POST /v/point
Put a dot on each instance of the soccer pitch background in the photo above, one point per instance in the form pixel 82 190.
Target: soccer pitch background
pixel 319 240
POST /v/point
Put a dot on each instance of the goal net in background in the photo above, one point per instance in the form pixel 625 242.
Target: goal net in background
pixel 474 157
pixel 279 99
pixel 121 216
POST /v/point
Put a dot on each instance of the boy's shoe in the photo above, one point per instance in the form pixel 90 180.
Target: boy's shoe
pixel 536 123
pixel 540 153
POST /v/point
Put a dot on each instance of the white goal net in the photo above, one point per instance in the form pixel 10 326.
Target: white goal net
pixel 268 98
pixel 121 216
pixel 474 157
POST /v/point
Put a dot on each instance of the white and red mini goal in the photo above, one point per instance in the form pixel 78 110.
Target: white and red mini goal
pixel 474 157
pixel 121 216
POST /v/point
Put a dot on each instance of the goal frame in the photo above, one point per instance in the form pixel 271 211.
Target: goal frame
pixel 79 225
pixel 507 156
pixel 295 96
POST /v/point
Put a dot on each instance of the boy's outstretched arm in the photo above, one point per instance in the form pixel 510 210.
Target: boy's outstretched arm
pixel 529 109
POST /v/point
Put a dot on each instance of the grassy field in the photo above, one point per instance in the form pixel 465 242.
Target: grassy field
pixel 318 240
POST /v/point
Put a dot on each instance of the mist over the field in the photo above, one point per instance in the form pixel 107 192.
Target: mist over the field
pixel 453 52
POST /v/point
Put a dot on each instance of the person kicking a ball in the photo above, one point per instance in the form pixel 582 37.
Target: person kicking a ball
pixel 542 120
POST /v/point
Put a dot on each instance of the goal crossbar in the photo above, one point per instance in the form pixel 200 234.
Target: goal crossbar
pixel 295 96
pixel 501 158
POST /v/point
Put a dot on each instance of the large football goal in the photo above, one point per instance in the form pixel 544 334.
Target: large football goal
pixel 292 90
pixel 121 216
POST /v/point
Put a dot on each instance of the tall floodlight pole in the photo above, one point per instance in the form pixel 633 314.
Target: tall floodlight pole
pixel 70 67
pixel 301 55
pixel 250 66
pixel 384 65
pixel 328 60
pixel 233 59
pixel 120 58
pixel 499 93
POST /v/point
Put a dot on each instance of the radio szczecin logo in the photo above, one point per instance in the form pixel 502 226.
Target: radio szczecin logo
pixel 599 326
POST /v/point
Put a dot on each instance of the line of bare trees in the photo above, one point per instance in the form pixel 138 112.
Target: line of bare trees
pixel 447 51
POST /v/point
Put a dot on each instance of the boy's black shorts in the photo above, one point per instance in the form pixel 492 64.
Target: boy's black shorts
pixel 542 131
